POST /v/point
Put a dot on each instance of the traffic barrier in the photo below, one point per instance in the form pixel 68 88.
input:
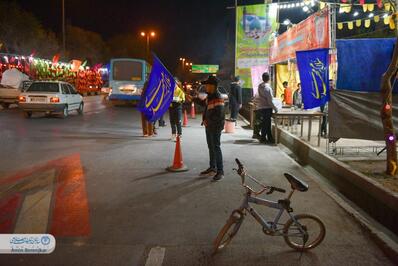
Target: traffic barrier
pixel 178 163
pixel 193 114
pixel 185 121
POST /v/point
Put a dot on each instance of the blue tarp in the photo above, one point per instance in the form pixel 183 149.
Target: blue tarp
pixel 362 62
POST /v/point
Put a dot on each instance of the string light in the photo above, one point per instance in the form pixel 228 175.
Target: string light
pixel 355 13
pixel 371 15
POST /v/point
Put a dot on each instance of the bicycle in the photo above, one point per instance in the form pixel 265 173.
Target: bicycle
pixel 296 231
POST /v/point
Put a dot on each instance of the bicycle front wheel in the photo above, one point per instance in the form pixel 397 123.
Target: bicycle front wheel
pixel 307 232
pixel 228 231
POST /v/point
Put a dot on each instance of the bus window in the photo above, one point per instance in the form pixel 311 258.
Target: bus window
pixel 127 71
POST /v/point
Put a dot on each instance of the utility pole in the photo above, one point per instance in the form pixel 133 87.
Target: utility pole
pixel 63 28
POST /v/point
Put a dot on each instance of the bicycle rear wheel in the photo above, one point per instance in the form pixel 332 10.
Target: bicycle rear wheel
pixel 228 231
pixel 306 233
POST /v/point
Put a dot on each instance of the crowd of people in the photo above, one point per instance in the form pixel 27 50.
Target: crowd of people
pixel 213 117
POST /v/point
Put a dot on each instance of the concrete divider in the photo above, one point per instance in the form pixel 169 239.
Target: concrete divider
pixel 372 197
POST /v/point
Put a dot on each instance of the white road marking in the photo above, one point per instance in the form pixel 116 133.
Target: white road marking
pixel 155 257
pixel 33 218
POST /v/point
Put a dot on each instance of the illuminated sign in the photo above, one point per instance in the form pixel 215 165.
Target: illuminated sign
pixel 197 69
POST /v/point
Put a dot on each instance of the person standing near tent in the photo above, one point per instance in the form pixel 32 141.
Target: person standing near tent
pixel 287 94
pixel 264 107
pixel 235 98
pixel 298 100
pixel 213 120
pixel 175 112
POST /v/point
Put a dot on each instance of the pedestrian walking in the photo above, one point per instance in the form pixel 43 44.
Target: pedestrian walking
pixel 175 112
pixel 264 107
pixel 213 120
pixel 235 98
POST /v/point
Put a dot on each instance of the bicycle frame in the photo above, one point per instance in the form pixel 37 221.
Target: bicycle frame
pixel 272 227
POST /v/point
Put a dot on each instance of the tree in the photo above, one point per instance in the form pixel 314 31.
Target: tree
pixel 386 114
pixel 22 33
pixel 85 45
pixel 126 45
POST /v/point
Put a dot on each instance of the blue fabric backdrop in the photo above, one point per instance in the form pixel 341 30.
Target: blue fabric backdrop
pixel 362 62
pixel 313 67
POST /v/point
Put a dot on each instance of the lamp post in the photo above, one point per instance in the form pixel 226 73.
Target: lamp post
pixel 182 62
pixel 148 35
pixel 63 27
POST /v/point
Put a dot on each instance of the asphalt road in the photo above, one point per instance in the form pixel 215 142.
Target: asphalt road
pixel 102 190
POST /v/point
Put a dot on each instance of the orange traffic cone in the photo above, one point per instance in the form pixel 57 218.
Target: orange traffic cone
pixel 178 163
pixel 193 115
pixel 185 122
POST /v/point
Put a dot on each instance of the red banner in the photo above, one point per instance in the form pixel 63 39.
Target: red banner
pixel 311 33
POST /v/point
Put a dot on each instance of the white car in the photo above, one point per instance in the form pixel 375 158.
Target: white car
pixel 50 97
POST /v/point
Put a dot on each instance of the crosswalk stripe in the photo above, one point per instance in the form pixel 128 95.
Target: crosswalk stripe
pixel 155 257
pixel 33 218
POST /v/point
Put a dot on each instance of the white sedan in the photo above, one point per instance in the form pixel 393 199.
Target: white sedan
pixel 50 97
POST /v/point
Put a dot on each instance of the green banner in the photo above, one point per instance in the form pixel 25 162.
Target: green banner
pixel 198 69
pixel 255 25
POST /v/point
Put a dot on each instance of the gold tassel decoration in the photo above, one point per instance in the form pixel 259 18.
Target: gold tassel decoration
pixel 350 25
pixel 358 23
pixel 387 6
pixel 371 7
pixel 340 26
pixel 392 23
pixel 377 19
pixel 365 7
pixel 387 20
pixel 367 23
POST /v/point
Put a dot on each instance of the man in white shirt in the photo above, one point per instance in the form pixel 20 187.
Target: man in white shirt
pixel 264 107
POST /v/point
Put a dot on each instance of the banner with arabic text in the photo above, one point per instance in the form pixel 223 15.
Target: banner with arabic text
pixel 313 67
pixel 158 93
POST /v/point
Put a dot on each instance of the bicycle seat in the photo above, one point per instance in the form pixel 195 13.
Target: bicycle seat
pixel 296 183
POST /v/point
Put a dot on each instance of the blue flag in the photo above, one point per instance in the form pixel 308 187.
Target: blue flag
pixel 313 67
pixel 158 94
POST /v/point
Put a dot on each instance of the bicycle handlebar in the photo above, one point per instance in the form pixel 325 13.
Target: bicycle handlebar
pixel 242 173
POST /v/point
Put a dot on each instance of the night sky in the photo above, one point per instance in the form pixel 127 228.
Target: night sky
pixel 198 30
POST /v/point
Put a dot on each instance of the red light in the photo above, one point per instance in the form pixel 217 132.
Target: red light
pixel 22 99
pixel 387 107
pixel 54 100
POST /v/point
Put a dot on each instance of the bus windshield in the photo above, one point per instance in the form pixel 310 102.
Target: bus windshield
pixel 127 71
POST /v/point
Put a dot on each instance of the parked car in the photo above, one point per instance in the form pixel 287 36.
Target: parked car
pixel 8 95
pixel 11 85
pixel 50 97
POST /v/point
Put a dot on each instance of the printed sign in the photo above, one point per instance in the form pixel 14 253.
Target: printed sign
pixel 312 33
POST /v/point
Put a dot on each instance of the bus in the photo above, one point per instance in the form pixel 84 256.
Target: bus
pixel 127 77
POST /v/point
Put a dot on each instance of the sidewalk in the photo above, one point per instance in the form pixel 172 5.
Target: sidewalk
pixel 345 242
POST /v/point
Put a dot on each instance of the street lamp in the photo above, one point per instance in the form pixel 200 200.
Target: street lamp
pixel 148 36
pixel 182 62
